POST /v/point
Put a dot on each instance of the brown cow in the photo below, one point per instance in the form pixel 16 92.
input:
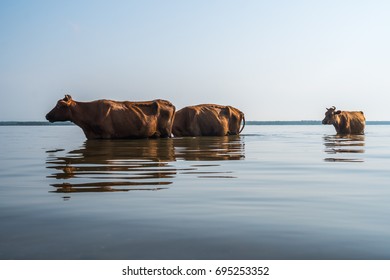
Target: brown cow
pixel 208 120
pixel 345 122
pixel 108 119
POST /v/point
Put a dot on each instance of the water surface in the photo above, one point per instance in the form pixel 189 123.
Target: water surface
pixel 275 192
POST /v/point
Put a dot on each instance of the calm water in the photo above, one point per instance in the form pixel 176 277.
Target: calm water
pixel 276 192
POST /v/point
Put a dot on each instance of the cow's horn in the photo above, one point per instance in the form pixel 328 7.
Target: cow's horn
pixel 333 107
pixel 67 97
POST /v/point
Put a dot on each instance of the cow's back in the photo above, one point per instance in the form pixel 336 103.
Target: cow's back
pixel 358 122
pixel 183 124
pixel 125 119
pixel 200 120
pixel 351 122
pixel 213 120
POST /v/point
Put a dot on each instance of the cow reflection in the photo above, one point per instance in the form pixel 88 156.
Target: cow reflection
pixel 205 149
pixel 101 187
pixel 210 148
pixel 122 165
pixel 125 165
pixel 344 147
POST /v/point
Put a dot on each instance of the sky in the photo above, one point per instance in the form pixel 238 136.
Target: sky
pixel 273 60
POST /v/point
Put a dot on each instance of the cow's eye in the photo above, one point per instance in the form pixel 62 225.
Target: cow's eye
pixel 61 105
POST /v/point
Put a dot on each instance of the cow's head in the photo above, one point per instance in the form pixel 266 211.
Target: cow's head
pixel 330 115
pixel 61 112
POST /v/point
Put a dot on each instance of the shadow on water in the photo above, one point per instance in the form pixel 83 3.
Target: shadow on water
pixel 344 148
pixel 145 164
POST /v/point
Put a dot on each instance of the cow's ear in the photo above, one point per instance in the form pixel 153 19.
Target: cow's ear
pixel 67 97
pixel 337 112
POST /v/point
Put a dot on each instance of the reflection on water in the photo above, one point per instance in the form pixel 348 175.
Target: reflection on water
pixel 114 166
pixel 125 165
pixel 342 146
pixel 210 148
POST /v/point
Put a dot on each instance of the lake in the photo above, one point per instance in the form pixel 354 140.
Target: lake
pixel 275 192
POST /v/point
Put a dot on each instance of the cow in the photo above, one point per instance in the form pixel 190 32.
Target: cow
pixel 345 122
pixel 108 119
pixel 208 120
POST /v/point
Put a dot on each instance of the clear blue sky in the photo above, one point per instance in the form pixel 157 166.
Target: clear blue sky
pixel 274 60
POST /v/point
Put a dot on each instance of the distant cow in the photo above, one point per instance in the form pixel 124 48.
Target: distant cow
pixel 108 119
pixel 208 120
pixel 345 122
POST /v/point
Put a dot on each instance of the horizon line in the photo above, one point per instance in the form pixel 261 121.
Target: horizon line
pixel 275 122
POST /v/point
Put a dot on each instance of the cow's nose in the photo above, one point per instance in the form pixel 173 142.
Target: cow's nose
pixel 48 117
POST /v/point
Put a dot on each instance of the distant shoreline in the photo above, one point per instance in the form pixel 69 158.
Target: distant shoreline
pixel 308 122
pixel 33 123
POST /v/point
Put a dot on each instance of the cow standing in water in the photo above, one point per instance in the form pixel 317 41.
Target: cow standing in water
pixel 108 119
pixel 208 120
pixel 345 122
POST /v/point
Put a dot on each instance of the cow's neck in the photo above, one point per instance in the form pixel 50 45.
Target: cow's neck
pixel 82 115
pixel 337 124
